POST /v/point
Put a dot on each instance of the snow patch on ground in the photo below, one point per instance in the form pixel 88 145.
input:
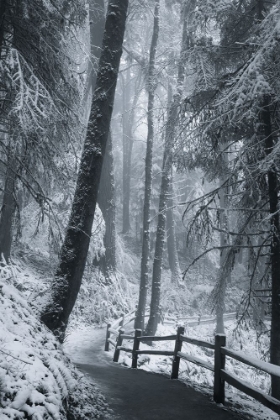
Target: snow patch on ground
pixel 80 341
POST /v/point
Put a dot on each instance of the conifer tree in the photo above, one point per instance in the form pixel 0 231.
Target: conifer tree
pixel 240 106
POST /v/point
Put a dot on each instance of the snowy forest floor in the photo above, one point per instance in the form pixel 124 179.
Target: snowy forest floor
pixel 131 394
pixel 136 394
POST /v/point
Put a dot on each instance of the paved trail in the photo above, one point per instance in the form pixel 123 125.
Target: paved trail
pixel 139 395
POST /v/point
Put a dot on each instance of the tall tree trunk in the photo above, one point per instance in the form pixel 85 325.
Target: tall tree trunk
pixel 160 234
pixel 74 250
pixel 8 209
pixel 173 259
pixel 127 150
pixel 171 238
pixel 144 279
pixel 106 201
pixel 275 246
pixel 166 176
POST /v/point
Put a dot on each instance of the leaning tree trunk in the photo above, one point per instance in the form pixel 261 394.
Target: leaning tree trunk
pixel 106 201
pixel 144 279
pixel 74 250
pixel 106 192
pixel 273 187
pixel 165 183
pixel 8 209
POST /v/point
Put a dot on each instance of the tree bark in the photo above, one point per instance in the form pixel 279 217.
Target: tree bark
pixel 8 209
pixel 74 251
pixel 106 201
pixel 144 279
pixel 275 246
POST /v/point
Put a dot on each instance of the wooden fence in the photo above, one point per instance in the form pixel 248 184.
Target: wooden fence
pixel 220 351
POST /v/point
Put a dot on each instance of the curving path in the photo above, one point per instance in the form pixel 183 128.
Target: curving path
pixel 136 394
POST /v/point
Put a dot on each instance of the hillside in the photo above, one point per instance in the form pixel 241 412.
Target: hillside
pixel 37 380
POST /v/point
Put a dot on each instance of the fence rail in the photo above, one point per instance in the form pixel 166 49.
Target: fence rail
pixel 220 352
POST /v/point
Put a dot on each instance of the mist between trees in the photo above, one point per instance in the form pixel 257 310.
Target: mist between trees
pixel 151 153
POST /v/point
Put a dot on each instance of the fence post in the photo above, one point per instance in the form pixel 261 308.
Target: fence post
pixel 219 363
pixel 118 344
pixel 176 359
pixel 107 337
pixel 121 321
pixel 136 345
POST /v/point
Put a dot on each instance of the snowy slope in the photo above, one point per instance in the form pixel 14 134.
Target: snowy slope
pixel 37 381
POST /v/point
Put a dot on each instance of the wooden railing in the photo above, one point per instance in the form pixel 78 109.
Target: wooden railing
pixel 113 329
pixel 220 351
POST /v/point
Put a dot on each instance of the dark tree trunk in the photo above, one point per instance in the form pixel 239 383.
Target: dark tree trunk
pixel 74 251
pixel 275 248
pixel 106 201
pixel 144 279
pixel 8 210
pixel 171 239
pixel 165 183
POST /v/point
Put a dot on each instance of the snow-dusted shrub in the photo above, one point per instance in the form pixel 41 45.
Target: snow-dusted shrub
pixel 100 300
pixel 37 381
